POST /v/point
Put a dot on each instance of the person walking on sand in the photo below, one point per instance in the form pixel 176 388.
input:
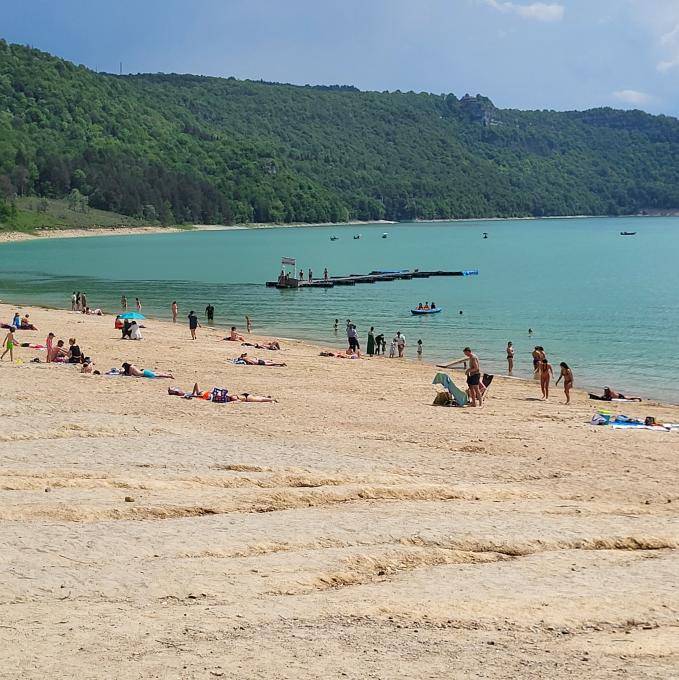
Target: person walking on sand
pixel 248 324
pixel 546 374
pixel 567 375
pixel 210 313
pixel 473 377
pixel 138 301
pixel 175 311
pixel 193 324
pixel 9 343
pixel 510 358
pixel 123 302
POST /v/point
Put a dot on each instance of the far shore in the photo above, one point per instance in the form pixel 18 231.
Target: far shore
pixel 13 236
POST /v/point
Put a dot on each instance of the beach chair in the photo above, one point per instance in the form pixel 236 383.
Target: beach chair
pixel 457 395
pixel 485 381
pixel 220 396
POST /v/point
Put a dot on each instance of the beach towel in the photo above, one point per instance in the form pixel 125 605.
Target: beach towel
pixel 447 383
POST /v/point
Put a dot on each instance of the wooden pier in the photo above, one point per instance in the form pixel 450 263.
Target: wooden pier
pixel 372 277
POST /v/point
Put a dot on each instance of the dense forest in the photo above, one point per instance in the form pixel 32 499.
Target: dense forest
pixel 178 148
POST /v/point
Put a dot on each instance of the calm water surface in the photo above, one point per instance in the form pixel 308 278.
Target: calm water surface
pixel 604 303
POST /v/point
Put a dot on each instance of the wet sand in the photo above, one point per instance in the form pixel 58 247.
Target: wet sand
pixel 351 530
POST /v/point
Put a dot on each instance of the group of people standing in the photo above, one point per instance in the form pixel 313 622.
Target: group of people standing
pixel 310 277
pixel 376 344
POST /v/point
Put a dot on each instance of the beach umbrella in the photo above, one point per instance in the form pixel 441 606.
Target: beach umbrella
pixel 132 315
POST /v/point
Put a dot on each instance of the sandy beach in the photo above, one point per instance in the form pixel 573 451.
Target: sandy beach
pixel 350 530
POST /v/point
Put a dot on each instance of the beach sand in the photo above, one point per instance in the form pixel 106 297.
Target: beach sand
pixel 351 530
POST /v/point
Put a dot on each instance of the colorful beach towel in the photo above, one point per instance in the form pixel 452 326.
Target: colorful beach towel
pixel 446 381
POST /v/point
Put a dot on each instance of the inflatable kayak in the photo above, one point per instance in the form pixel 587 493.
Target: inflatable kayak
pixel 427 311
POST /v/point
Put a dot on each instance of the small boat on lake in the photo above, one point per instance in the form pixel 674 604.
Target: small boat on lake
pixel 436 310
pixel 628 233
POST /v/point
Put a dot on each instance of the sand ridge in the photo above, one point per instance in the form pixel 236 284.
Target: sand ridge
pixel 349 530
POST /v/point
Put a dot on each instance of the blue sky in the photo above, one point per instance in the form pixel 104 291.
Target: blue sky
pixel 555 54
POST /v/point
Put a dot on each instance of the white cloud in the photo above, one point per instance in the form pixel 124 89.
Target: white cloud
pixel 661 19
pixel 632 97
pixel 540 11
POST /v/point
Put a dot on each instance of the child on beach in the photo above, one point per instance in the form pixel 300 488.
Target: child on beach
pixel 419 348
pixel 9 343
pixel 392 349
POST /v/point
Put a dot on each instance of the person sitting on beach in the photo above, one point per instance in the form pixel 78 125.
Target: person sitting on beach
pixel 88 366
pixel 132 370
pixel 135 332
pixel 74 353
pixel 234 336
pixel 118 323
pixel 16 321
pixel 58 354
pixel 26 324
pixel 272 345
pixel 126 329
pixel 252 361
pixel 207 395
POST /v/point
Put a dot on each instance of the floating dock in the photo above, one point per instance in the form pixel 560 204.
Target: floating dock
pixel 372 277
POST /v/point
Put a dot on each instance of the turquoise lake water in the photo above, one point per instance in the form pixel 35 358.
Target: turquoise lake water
pixel 604 303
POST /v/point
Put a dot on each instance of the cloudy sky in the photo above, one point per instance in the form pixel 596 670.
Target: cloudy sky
pixel 554 54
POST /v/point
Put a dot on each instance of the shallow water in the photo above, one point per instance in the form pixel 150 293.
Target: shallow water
pixel 604 303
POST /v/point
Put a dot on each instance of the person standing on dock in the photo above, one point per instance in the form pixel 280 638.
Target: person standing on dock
pixel 311 276
pixel 210 313
pixel 325 274
pixel 301 275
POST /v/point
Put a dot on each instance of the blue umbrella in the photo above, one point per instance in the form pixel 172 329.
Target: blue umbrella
pixel 132 315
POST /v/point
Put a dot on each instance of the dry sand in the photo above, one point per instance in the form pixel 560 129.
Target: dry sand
pixel 351 530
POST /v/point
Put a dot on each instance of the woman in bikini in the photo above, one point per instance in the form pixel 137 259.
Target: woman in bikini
pixel 510 358
pixel 546 373
pixel 567 375
pixel 132 370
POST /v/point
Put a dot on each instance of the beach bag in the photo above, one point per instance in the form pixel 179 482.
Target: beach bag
pixel 220 396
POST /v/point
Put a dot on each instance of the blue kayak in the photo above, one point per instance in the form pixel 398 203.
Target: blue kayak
pixel 426 311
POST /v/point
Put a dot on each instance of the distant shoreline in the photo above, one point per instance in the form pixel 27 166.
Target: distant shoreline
pixel 14 236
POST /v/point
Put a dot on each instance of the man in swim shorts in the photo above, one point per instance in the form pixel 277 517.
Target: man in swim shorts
pixel 473 378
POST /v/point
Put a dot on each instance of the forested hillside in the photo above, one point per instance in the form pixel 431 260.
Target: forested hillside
pixel 174 148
